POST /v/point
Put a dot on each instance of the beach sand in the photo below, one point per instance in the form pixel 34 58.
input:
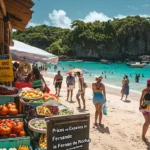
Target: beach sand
pixel 122 126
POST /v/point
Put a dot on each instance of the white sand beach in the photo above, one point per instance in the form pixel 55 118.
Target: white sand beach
pixel 123 124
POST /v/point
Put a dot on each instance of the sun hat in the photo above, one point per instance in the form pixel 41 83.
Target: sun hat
pixel 148 81
pixel 98 78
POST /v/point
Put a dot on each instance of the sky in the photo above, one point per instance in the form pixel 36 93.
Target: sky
pixel 61 13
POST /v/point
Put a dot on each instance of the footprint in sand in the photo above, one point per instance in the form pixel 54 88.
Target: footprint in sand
pixel 121 133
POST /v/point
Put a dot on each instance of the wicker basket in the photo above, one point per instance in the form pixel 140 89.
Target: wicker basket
pixel 36 129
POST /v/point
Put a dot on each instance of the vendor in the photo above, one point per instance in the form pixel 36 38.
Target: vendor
pixel 18 76
pixel 37 76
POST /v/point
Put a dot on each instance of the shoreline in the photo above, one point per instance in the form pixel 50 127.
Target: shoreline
pixel 110 90
pixel 122 126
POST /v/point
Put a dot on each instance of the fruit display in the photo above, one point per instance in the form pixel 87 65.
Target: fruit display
pixel 48 96
pixel 66 112
pixel 44 99
pixel 11 128
pixel 47 110
pixel 8 91
pixel 9 109
pixel 32 94
pixel 23 148
pixel 43 141
pixel 38 124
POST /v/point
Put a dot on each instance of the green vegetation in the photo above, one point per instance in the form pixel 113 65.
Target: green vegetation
pixel 115 38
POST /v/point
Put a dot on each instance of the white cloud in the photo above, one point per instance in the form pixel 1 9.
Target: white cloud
pixel 31 24
pixel 146 5
pixel 93 16
pixel 60 19
pixel 46 22
pixel 132 7
pixel 144 16
pixel 120 16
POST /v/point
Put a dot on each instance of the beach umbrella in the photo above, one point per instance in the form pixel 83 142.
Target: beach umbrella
pixel 75 70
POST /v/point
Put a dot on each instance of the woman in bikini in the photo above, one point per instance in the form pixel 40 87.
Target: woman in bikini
pixel 145 108
pixel 125 87
pixel 99 98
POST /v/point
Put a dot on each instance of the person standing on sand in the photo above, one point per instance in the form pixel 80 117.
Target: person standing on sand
pixel 81 91
pixel 145 108
pixel 58 82
pixel 70 81
pixel 99 98
pixel 125 87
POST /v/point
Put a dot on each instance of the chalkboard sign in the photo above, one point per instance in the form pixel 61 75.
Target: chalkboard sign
pixel 68 132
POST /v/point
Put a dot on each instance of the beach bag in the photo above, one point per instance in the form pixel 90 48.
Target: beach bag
pixel 105 109
pixel 84 85
pixel 144 105
pixel 37 83
pixel 47 89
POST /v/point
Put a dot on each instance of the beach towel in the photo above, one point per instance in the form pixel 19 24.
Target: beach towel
pixel 125 89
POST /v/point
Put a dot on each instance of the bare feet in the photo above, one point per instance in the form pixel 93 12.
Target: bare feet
pixel 95 125
pixel 66 99
pixel 79 107
pixel 144 138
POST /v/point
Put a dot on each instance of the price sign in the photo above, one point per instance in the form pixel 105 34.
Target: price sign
pixel 68 132
pixel 6 68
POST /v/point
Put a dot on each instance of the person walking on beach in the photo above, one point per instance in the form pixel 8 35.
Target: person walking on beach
pixel 58 82
pixel 99 98
pixel 70 81
pixel 125 87
pixel 81 91
pixel 145 108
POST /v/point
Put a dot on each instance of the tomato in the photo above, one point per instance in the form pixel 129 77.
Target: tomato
pixel 12 135
pixel 4 129
pixel 3 110
pixel 11 105
pixel 22 133
pixel 12 111
pixel 17 128
pixel 17 120
pixel 9 125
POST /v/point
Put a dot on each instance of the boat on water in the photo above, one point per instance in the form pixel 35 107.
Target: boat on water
pixel 137 65
pixel 104 61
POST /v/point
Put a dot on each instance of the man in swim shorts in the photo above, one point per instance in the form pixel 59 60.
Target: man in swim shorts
pixel 70 81
pixel 58 82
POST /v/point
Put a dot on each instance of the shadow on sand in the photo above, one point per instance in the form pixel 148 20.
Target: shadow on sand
pixel 71 101
pixel 147 143
pixel 103 129
pixel 82 110
pixel 127 101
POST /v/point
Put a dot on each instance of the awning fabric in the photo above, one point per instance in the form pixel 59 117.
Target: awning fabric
pixel 27 52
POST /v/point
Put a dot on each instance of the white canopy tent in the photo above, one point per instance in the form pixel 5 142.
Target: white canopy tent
pixel 27 52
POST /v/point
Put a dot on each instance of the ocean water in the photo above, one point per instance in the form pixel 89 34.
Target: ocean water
pixel 114 73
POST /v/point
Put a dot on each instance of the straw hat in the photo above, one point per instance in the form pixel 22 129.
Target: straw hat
pixel 98 78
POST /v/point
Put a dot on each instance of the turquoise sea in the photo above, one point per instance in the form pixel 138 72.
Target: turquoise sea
pixel 113 80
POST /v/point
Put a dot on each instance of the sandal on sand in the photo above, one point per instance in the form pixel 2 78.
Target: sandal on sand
pixel 79 107
pixel 101 125
pixel 95 124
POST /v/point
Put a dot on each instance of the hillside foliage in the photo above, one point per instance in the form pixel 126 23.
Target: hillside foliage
pixel 98 37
